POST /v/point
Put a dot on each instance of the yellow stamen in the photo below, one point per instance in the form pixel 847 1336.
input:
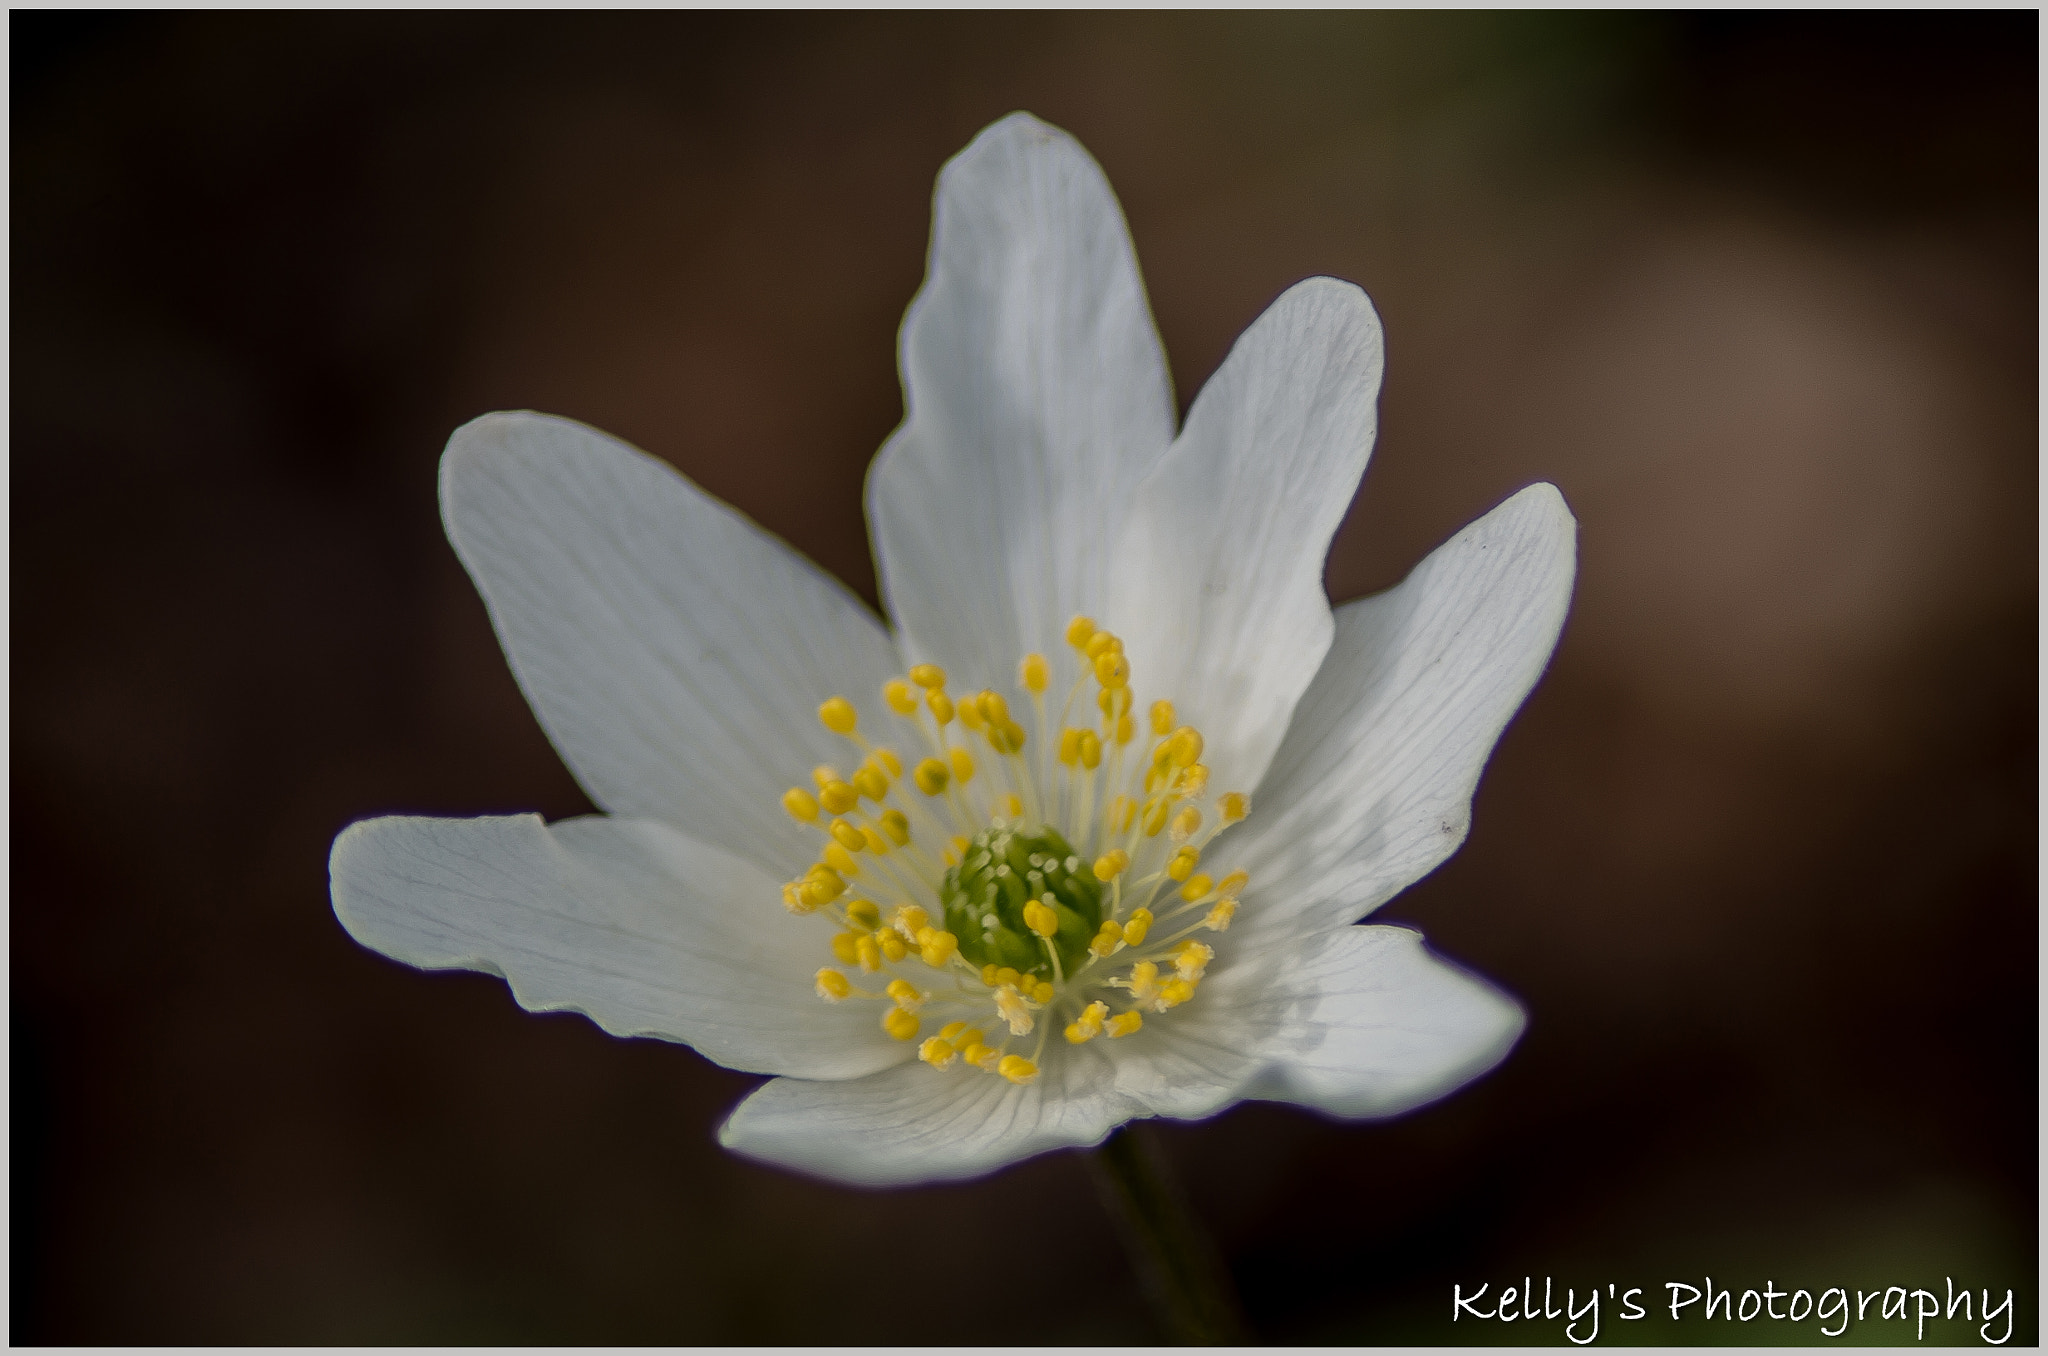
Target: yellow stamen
pixel 937 1052
pixel 941 706
pixel 1124 1023
pixel 900 1024
pixel 1017 1069
pixel 1034 673
pixel 1079 631
pixel 1111 864
pixel 1041 919
pixel 1196 887
pixel 1220 916
pixel 847 836
pixel 901 699
pixel 1182 864
pixel 905 994
pixel 928 676
pixel 1162 717
pixel 963 764
pixel 1136 926
pixel 1234 806
pixel 833 986
pixel 837 715
pixel 800 805
pixel 1112 670
pixel 930 776
pixel 864 913
pixel 837 797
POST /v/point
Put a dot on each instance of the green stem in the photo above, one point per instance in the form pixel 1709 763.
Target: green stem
pixel 1183 1276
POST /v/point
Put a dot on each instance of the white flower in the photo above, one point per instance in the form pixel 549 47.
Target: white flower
pixel 930 1015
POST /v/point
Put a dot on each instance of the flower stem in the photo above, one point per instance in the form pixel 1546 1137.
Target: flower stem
pixel 1183 1276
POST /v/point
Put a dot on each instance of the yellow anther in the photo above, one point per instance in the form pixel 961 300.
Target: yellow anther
pixel 832 986
pixel 963 765
pixel 1113 702
pixel 871 782
pixel 1013 737
pixel 905 995
pixel 893 946
pixel 846 946
pixel 1091 750
pixel 1088 1025
pixel 1162 754
pixel 941 706
pixel 1044 992
pixel 793 897
pixel 994 708
pixel 1100 644
pixel 1121 809
pixel 1234 806
pixel 1173 993
pixel 1233 884
pixel 876 843
pixel 979 1055
pixel 1193 779
pixel 900 1024
pixel 1196 887
pixel 908 919
pixel 1135 928
pixel 1034 673
pixel 838 797
pixel 837 715
pixel 1192 959
pixel 901 699
pixel 864 913
pixel 937 948
pixel 1008 806
pixel 888 762
pixel 951 1031
pixel 1182 864
pixel 897 825
pixel 1162 717
pixel 848 836
pixel 958 842
pixel 821 888
pixel 969 712
pixel 869 953
pixel 1186 820
pixel 1005 975
pixel 1155 818
pixel 824 774
pixel 1219 917
pixel 1106 941
pixel 840 860
pixel 937 1052
pixel 989 973
pixel 1080 631
pixel 1125 731
pixel 1111 864
pixel 1112 670
pixel 1124 1023
pixel 1017 1069
pixel 800 804
pixel 930 776
pixel 928 676
pixel 1155 778
pixel 1070 747
pixel 1187 746
pixel 1041 919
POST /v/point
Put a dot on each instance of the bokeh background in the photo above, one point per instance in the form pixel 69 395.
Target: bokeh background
pixel 1759 293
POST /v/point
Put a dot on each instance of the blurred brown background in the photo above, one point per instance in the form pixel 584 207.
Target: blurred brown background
pixel 1759 294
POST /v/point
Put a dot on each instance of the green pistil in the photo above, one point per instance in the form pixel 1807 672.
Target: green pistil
pixel 1003 870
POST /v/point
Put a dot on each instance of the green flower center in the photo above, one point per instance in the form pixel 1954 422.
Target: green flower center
pixel 1002 871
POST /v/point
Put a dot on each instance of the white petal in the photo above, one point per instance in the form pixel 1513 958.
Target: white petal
pixel 920 1124
pixel 1218 588
pixel 1375 1025
pixel 1373 786
pixel 642 929
pixel 674 652
pixel 1036 398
